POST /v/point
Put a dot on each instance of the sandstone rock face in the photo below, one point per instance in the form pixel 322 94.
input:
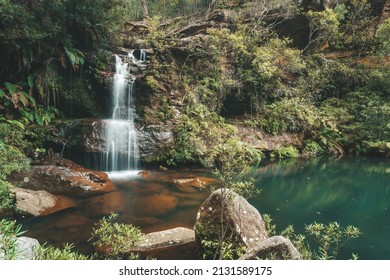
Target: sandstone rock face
pixel 25 248
pixel 227 214
pixel 63 180
pixel 37 203
pixel 275 247
pixel 177 243
pixel 267 142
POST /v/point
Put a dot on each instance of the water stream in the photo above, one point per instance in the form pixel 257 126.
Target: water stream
pixel 120 135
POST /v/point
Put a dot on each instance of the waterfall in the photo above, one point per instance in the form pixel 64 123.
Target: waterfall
pixel 120 134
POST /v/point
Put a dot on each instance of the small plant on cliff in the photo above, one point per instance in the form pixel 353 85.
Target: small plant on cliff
pixel 114 240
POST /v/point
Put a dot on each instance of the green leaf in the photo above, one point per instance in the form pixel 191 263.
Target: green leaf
pixel 2 92
pixel 30 81
pixel 11 87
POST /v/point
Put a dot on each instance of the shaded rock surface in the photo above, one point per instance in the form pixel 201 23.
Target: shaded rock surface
pixel 58 179
pixel 275 247
pixel 25 248
pixel 37 203
pixel 225 213
pixel 88 136
pixel 176 243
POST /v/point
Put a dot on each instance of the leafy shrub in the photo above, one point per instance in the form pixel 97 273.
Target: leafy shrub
pixel 288 151
pixel 312 149
pixel 320 241
pixel 113 239
pixel 45 252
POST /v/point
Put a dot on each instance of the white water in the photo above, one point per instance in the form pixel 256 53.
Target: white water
pixel 121 137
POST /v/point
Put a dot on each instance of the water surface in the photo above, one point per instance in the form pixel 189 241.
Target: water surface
pixel 351 191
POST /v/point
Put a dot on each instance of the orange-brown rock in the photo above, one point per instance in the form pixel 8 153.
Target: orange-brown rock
pixel 190 184
pixel 63 180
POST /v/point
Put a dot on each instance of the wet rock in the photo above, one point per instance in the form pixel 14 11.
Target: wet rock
pixel 275 247
pixel 186 184
pixel 154 140
pixel 63 180
pixel 226 214
pixel 156 204
pixel 37 203
pixel 172 244
pixel 25 248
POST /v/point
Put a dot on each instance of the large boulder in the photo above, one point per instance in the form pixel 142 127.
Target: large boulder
pixel 275 247
pixel 172 244
pixel 38 203
pixel 64 180
pixel 228 216
pixel 24 248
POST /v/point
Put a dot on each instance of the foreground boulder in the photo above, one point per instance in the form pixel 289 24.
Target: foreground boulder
pixel 60 176
pixel 25 248
pixel 275 247
pixel 228 216
pixel 172 244
pixel 37 203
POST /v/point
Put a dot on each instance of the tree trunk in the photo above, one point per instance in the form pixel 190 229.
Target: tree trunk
pixel 145 11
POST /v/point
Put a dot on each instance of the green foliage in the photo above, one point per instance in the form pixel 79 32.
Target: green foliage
pixel 7 203
pixel 320 241
pixel 9 232
pixel 312 148
pixel 11 159
pixel 324 26
pixel 288 151
pixel 330 238
pixel 52 253
pixel 383 34
pixel 113 239
pixel 224 250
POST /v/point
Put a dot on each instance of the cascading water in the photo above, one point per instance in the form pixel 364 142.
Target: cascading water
pixel 121 138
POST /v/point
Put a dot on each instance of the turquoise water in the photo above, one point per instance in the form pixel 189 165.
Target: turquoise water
pixel 351 191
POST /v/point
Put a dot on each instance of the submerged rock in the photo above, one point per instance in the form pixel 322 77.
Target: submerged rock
pixel 226 214
pixel 156 204
pixel 172 244
pixel 275 247
pixel 105 204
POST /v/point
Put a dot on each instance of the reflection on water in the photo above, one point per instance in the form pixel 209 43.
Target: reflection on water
pixel 349 191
